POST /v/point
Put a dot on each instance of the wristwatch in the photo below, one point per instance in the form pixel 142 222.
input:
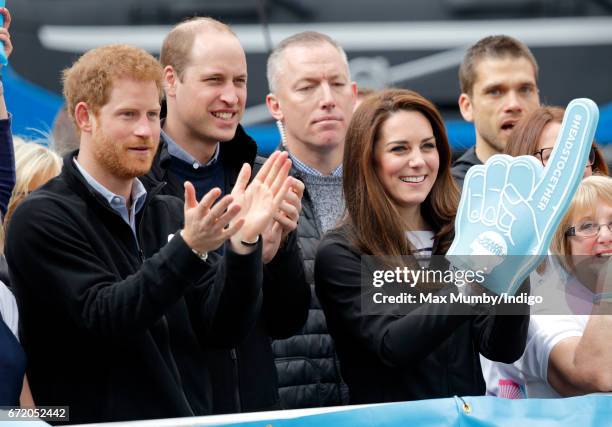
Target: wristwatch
pixel 202 255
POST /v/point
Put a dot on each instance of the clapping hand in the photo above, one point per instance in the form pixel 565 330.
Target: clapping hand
pixel 5 36
pixel 261 199
pixel 285 219
pixel 207 227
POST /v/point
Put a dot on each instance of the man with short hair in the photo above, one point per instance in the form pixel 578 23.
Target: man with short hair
pixel 205 82
pixel 119 297
pixel 312 98
pixel 498 78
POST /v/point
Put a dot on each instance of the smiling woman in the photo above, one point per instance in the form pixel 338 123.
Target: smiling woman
pixel 401 201
pixel 407 161
pixel 396 160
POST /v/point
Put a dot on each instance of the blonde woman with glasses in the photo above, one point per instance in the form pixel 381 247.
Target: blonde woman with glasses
pixel 570 354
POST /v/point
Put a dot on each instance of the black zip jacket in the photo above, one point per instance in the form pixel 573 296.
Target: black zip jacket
pixel 307 363
pixel 114 328
pixel 463 164
pixel 387 358
pixel 244 378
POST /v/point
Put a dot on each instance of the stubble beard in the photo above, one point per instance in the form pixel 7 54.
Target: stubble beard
pixel 494 142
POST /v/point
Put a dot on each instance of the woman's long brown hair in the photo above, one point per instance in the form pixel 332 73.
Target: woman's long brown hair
pixel 375 225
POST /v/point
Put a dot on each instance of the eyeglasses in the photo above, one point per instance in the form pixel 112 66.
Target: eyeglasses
pixel 587 229
pixel 544 154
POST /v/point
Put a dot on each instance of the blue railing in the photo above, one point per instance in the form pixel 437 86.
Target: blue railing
pixel 584 411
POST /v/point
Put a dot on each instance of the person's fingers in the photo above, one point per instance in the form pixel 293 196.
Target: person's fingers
pixel 208 200
pixel 286 222
pixel 288 210
pixel 281 178
pixel 226 217
pixel 293 199
pixel 8 47
pixel 280 195
pixel 275 169
pixel 190 196
pixel 243 179
pixel 254 189
pixel 5 38
pixel 221 206
pixel 233 228
pixel 265 169
pixel 226 204
pixel 297 187
pixel 7 18
pixel 276 228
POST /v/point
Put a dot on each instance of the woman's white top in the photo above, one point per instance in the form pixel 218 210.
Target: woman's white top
pixel 423 245
pixel 528 376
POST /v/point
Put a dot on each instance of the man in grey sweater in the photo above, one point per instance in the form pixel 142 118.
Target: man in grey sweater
pixel 312 98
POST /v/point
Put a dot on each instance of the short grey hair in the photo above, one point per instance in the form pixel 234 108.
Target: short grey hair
pixel 300 39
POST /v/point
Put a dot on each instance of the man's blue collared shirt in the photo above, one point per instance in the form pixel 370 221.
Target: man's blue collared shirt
pixel 118 203
pixel 177 151
pixel 304 168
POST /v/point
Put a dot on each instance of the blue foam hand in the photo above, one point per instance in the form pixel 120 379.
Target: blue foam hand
pixel 511 206
pixel 3 58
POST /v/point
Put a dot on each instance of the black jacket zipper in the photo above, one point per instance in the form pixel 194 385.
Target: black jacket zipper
pixel 151 194
pixel 234 356
pixel 141 256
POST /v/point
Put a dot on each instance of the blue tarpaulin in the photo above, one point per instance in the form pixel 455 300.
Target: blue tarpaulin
pixel 465 412
pixel 483 411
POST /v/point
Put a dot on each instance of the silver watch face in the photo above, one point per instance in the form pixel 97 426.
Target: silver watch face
pixel 202 255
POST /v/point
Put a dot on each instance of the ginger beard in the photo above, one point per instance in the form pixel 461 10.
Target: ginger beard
pixel 121 158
